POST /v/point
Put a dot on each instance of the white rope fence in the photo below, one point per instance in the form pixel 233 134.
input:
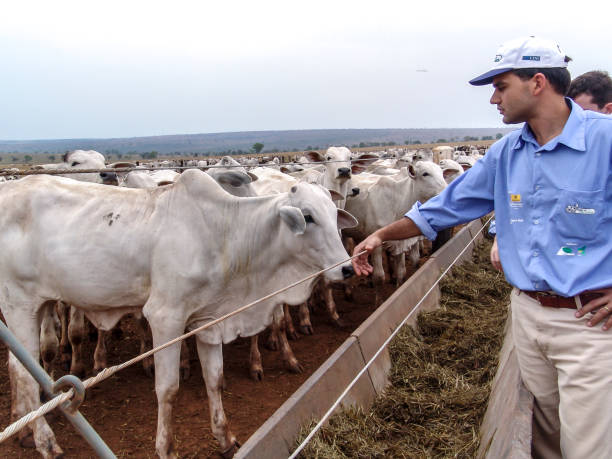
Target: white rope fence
pixel 382 347
pixel 13 172
pixel 108 372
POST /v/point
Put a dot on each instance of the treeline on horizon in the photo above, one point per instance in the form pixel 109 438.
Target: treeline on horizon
pixel 196 145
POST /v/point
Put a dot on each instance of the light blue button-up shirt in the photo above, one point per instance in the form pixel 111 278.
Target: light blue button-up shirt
pixel 553 205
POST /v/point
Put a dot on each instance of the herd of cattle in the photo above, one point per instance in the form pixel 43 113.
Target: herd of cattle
pixel 180 248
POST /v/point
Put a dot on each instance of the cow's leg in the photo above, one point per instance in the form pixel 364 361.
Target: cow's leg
pixel 18 409
pixel 63 311
pixel 185 368
pixel 144 334
pixel 289 328
pixel 349 245
pixel 25 391
pixel 49 344
pixel 164 328
pixel 330 304
pixel 273 339
pixel 378 276
pixel 76 334
pixel 399 268
pixel 305 324
pixel 101 352
pixel 291 363
pixel 255 365
pixel 211 360
pixel 414 254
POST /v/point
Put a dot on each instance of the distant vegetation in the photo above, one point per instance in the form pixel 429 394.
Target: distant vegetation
pixel 235 143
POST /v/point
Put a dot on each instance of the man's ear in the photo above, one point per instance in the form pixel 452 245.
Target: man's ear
pixel 540 82
pixel 607 109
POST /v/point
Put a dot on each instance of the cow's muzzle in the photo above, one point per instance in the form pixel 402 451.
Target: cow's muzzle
pixel 344 172
pixel 348 271
pixel 109 178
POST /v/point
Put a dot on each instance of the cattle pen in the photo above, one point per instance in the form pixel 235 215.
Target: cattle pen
pixel 123 412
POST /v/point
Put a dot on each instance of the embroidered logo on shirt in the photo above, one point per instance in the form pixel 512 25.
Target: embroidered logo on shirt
pixel 576 209
pixel 568 251
pixel 515 197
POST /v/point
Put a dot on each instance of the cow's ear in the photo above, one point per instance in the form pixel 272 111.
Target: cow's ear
pixel 361 163
pixel 294 219
pixel 335 196
pixel 254 177
pixel 446 173
pixel 314 156
pixel 411 172
pixel 346 220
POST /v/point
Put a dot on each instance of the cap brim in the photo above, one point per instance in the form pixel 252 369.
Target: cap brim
pixel 487 78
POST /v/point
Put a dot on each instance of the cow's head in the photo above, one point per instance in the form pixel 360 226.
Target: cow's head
pixel 337 163
pixel 429 180
pixel 84 159
pixel 233 177
pixel 314 221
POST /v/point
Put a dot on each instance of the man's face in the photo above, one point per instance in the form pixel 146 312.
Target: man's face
pixel 586 102
pixel 513 98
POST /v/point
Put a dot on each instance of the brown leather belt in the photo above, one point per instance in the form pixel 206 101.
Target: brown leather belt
pixel 555 301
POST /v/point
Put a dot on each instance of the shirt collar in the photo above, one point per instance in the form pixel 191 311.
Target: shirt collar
pixel 572 135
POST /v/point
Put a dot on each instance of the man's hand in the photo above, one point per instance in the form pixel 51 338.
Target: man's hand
pixel 603 305
pixel 495 256
pixel 360 264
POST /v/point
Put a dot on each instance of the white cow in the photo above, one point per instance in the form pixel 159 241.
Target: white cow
pixel 73 160
pixel 336 176
pixel 385 199
pixel 442 152
pixel 185 253
pixel 80 159
pixel 237 181
pixel 466 161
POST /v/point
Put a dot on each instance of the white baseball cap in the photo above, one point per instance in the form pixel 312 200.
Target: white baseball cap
pixel 523 53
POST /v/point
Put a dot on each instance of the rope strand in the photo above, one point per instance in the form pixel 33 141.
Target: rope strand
pixel 108 372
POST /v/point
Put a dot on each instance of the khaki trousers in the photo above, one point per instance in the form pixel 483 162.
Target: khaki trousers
pixel 568 368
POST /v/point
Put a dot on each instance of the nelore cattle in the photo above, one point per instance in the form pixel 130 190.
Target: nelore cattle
pixel 184 254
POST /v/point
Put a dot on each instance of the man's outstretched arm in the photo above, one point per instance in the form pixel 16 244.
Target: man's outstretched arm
pixel 400 229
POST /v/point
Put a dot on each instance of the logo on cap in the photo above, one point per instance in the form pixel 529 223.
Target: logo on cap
pixel 498 57
pixel 531 58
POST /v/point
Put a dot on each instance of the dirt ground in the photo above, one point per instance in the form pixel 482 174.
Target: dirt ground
pixel 123 409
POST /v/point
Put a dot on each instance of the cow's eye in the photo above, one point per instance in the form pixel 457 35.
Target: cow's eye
pixel 75 163
pixel 425 174
pixel 309 219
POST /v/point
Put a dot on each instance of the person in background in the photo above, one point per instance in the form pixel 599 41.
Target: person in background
pixel 550 184
pixel 592 91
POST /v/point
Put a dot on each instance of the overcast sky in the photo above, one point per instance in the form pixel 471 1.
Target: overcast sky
pixel 76 69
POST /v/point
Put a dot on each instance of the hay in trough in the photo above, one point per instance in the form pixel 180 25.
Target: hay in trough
pixel 440 377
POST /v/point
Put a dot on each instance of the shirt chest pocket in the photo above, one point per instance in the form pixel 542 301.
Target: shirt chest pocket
pixel 578 215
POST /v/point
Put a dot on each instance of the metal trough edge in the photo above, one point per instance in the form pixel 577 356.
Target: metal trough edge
pixel 276 437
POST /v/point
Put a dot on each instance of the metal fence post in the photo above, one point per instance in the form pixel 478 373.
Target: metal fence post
pixel 46 383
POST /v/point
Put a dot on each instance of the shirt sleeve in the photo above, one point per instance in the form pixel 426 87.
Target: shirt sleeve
pixel 468 197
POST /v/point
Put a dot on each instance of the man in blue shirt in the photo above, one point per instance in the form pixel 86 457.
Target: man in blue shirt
pixel 549 184
pixel 592 91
